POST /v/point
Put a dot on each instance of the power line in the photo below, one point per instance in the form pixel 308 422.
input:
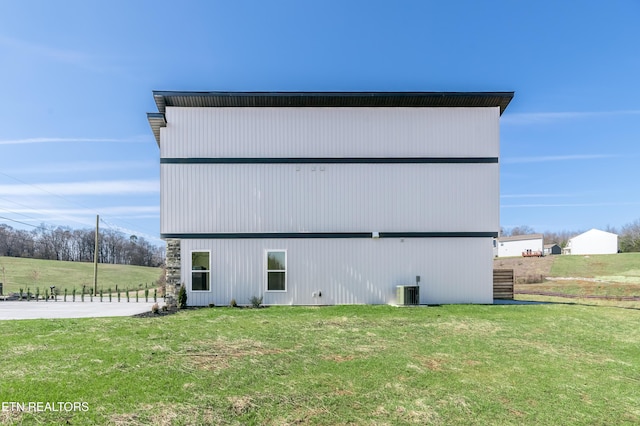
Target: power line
pixel 125 222
pixel 73 202
pixel 39 211
pixel 44 190
pixel 17 221
pixel 21 214
pixel 128 231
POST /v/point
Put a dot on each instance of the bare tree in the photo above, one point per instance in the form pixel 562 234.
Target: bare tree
pixel 63 243
pixel 630 237
pixel 522 230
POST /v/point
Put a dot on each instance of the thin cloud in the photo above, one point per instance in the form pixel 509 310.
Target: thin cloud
pixel 83 166
pixel 75 58
pixel 124 230
pixel 117 187
pixel 109 211
pixel 50 216
pixel 551 158
pixel 63 55
pixel 536 195
pixel 549 117
pixel 612 204
pixel 135 139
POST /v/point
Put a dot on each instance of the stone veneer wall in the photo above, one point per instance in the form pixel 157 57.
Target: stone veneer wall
pixel 173 272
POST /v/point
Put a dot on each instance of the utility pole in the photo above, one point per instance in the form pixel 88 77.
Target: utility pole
pixel 95 258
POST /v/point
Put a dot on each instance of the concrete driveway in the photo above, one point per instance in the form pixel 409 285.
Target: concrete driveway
pixel 58 309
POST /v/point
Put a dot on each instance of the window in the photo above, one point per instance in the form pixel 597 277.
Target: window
pixel 200 270
pixel 276 270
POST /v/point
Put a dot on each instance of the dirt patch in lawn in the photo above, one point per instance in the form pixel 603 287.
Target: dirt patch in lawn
pixel 218 354
pixel 526 270
pixel 339 358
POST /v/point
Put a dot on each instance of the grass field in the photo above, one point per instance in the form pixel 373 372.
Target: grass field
pixel 606 276
pixel 18 273
pixel 464 364
pixel 622 267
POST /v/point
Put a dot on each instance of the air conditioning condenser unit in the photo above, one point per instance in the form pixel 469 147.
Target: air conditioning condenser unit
pixel 408 295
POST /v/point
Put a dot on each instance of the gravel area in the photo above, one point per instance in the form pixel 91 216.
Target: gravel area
pixel 58 309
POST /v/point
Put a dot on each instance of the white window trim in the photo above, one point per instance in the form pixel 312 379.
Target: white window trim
pixel 191 271
pixel 266 271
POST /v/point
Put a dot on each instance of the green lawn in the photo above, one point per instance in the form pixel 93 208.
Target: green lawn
pixel 613 275
pixel 32 273
pixel 456 364
pixel 621 267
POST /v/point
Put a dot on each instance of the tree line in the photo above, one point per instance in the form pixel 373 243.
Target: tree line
pixel 628 235
pixel 78 245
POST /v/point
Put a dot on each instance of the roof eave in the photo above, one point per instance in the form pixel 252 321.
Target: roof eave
pixel 156 121
pixel 332 99
pixel 163 99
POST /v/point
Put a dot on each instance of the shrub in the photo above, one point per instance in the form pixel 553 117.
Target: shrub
pixel 182 297
pixel 212 305
pixel 256 301
pixel 530 279
pixel 233 303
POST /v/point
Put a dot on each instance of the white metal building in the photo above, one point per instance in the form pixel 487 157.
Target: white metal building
pixel 594 241
pixel 518 244
pixel 329 198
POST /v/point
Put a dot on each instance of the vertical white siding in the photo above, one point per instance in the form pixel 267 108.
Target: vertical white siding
pixel 594 242
pixel 347 271
pixel 210 198
pixel 515 248
pixel 329 198
pixel 330 132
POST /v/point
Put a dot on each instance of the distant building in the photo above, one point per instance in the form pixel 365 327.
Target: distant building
pixel 594 241
pixel 552 249
pixel 518 244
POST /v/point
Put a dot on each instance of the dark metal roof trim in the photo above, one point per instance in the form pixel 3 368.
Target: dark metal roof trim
pixel 332 99
pixel 166 99
pixel 316 235
pixel 333 160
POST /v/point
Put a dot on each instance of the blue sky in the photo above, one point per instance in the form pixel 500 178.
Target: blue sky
pixel 76 79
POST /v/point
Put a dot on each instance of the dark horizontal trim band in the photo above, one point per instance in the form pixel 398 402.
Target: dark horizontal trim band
pixel 332 160
pixel 259 235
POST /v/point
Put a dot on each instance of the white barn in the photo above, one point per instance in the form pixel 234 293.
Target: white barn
pixel 329 198
pixel 518 244
pixel 594 241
